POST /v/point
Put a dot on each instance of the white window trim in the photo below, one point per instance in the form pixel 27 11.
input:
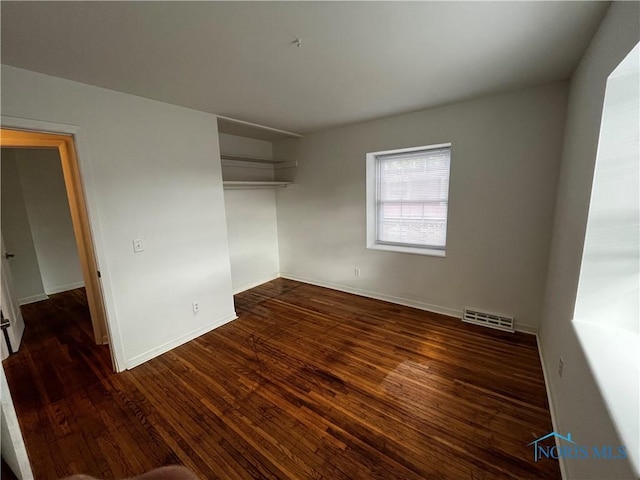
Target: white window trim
pixel 372 185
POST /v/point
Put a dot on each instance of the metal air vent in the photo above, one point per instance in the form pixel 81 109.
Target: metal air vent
pixel 488 319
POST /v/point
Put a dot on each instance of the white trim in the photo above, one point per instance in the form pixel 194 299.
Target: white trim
pixel 251 184
pixel 33 125
pixel 246 164
pixel 552 408
pixel 372 178
pixel 451 312
pixel 405 249
pixel 248 158
pixel 524 328
pixel 250 285
pixel 33 299
pixel 407 302
pixel 64 288
pixel 154 352
pixel 84 166
pixel 269 130
pixel 411 149
pixel 283 165
pixel 264 163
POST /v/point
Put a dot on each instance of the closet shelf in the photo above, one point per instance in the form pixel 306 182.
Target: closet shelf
pixel 241 128
pixel 240 158
pixel 247 184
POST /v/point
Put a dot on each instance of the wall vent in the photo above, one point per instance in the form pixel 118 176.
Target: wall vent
pixel 488 319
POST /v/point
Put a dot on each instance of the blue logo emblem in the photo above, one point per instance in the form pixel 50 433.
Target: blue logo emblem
pixel 566 447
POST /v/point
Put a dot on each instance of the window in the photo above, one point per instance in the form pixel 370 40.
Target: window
pixel 407 199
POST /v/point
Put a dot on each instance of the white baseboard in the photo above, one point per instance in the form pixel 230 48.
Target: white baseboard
pixel 552 408
pixel 64 288
pixel 450 312
pixel 523 328
pixel 248 286
pixel 33 299
pixel 154 352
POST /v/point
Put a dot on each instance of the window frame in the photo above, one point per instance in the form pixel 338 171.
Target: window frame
pixel 372 169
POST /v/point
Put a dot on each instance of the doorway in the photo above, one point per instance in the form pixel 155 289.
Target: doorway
pixel 58 255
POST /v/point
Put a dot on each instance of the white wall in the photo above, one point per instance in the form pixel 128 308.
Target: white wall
pixel 253 237
pixel 505 157
pixel 606 316
pixel 577 401
pixel 243 146
pixel 251 215
pixel 609 276
pixel 151 172
pixel 234 145
pixel 45 199
pixel 16 232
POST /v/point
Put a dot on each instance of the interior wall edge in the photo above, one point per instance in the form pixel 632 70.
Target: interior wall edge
pixel 251 285
pixel 552 408
pixel 157 351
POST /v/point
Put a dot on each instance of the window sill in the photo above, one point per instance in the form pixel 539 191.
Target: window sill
pixel 612 355
pixel 432 252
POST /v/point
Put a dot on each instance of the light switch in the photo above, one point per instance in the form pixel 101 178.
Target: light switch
pixel 138 246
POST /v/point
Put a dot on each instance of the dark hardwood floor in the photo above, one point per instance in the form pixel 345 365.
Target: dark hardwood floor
pixel 307 383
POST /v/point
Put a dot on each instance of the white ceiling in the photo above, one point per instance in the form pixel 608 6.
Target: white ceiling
pixel 358 60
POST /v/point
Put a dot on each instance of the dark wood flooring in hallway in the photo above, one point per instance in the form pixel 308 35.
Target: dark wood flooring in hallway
pixel 307 383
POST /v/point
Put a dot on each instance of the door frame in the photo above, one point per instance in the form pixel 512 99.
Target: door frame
pixel 68 141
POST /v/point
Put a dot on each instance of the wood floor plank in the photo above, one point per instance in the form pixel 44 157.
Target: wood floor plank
pixel 307 383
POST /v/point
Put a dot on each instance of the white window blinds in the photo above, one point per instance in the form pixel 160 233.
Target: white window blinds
pixel 412 196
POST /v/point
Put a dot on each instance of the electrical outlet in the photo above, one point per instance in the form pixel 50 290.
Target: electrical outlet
pixel 138 245
pixel 196 307
pixel 356 272
pixel 560 367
